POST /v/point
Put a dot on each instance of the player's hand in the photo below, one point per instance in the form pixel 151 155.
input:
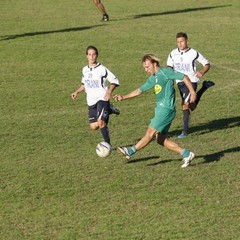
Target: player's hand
pixel 193 97
pixel 118 97
pixel 199 74
pixel 73 95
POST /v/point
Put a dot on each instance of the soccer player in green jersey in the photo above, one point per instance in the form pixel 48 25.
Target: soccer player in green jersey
pixel 162 80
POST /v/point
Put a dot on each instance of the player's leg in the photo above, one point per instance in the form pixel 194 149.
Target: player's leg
pixel 160 123
pixel 143 142
pixel 113 110
pixel 185 95
pixel 165 123
pixel 185 153
pixel 92 117
pixel 101 9
pixel 103 118
pixel 205 86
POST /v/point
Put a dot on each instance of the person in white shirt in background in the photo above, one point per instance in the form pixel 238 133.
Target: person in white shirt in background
pixel 184 59
pixel 95 79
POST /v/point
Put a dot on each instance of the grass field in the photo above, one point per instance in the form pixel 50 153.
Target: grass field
pixel 53 185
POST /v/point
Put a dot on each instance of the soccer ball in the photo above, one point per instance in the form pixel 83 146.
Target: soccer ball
pixel 103 149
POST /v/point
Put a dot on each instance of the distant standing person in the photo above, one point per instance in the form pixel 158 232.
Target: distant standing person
pixel 162 81
pixel 102 10
pixel 184 59
pixel 94 83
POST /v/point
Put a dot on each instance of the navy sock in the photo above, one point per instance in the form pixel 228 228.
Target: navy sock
pixel 105 134
pixel 186 118
pixel 199 94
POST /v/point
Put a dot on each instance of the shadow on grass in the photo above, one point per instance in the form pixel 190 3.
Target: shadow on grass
pixel 213 157
pixel 214 125
pixel 219 124
pixel 146 159
pixel 178 11
pixel 31 34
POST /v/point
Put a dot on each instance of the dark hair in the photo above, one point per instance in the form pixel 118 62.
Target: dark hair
pixel 152 58
pixel 92 47
pixel 182 34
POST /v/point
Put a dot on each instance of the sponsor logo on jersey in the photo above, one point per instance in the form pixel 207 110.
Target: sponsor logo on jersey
pixel 182 67
pixel 157 88
pixel 90 83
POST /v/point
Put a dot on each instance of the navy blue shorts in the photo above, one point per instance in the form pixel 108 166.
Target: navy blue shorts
pixel 184 92
pixel 100 110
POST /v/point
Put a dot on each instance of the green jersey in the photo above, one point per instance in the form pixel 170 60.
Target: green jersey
pixel 163 84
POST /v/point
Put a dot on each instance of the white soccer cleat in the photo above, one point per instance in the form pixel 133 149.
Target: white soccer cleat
pixel 188 159
pixel 124 151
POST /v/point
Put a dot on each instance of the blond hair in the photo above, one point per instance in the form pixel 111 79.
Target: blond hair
pixel 152 58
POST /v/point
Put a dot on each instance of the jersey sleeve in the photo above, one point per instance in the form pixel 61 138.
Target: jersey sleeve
pixel 83 77
pixel 149 84
pixel 111 77
pixel 178 75
pixel 201 59
pixel 170 61
pixel 173 75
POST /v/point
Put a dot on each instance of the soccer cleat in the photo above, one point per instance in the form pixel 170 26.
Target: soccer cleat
pixel 124 151
pixel 105 18
pixel 114 110
pixel 188 159
pixel 208 84
pixel 182 135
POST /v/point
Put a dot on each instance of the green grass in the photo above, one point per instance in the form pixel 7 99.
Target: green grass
pixel 53 185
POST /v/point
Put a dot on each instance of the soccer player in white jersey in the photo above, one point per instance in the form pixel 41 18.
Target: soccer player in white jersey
pixel 98 82
pixel 184 59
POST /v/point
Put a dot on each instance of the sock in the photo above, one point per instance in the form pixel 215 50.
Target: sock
pixel 105 134
pixel 186 118
pixel 132 150
pixel 199 94
pixel 185 153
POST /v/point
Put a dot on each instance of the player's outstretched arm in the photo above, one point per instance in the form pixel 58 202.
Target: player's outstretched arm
pixel 132 94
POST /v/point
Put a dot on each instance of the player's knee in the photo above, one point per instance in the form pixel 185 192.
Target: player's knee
pixel 185 105
pixel 151 133
pixel 101 124
pixel 94 126
pixel 160 139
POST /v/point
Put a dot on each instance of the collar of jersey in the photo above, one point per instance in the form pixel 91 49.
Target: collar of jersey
pixel 97 65
pixel 184 51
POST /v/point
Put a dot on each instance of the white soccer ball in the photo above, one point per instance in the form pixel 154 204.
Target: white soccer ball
pixel 103 149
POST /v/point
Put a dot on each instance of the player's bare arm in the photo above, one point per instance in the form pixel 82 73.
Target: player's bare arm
pixel 132 94
pixel 79 90
pixel 203 71
pixel 109 92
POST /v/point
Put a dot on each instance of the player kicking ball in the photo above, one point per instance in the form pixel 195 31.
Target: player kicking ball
pixel 162 81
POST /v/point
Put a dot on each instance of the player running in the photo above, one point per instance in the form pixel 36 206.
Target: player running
pixel 184 59
pixel 94 83
pixel 101 8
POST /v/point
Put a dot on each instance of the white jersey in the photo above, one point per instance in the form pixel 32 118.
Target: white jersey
pixel 95 80
pixel 186 62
